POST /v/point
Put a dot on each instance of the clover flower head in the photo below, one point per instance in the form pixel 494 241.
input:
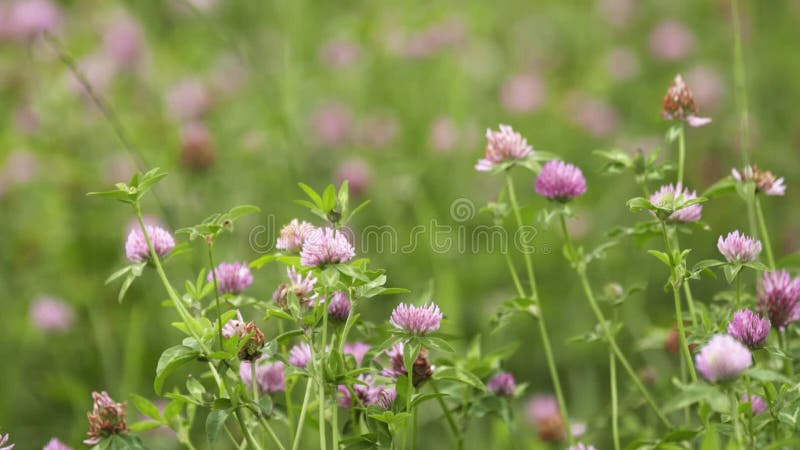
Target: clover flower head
pixel 503 145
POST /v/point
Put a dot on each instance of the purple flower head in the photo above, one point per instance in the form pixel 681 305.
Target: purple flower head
pixel 778 298
pixel 339 308
pixel 669 196
pixel 396 366
pixel 136 246
pixel 670 41
pixel 51 315
pixel 386 398
pixel 560 181
pixel 357 350
pixel 416 319
pixel 269 376
pixel 542 407
pixel 749 328
pixel 366 393
pixel 679 104
pixel 357 173
pixel 55 444
pixel 189 99
pixel 4 440
pixel 765 181
pixel 723 358
pixel 31 17
pixel 234 326
pixel 738 248
pixel 232 278
pixel 123 42
pixel 326 246
pixel 757 404
pixel 107 417
pixel 504 145
pixel 300 355
pixel 582 446
pixel 293 235
pixel 502 384
pixel 303 288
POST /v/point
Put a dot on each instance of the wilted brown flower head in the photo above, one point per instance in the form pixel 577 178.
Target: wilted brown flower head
pixel 252 349
pixel 679 104
pixel 106 418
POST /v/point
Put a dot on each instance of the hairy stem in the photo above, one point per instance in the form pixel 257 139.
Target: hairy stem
pixel 216 294
pixel 681 153
pixel 612 367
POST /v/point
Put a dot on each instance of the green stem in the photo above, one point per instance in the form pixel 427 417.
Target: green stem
pixel 246 431
pixel 301 421
pixel 681 153
pixel 612 367
pixel 514 275
pixel 288 394
pixel 764 234
pixel 676 295
pixel 254 381
pixel 271 432
pixel 686 288
pixel 414 429
pixel 738 75
pixel 449 417
pixel 321 374
pixel 783 343
pixel 548 351
pixel 735 419
pixel 587 289
pixel 738 292
pixel 216 294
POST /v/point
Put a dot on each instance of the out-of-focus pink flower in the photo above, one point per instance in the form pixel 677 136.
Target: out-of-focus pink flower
pixel 357 173
pixel 26 120
pixel 616 12
pixel 234 327
pixel 367 393
pixel 20 167
pixel 707 87
pixel 28 18
pixel 594 116
pixel 444 135
pixel 188 99
pixel 51 315
pixel 622 64
pixel 757 404
pixel 524 93
pixel 269 376
pixel 377 131
pixel 99 73
pixel 502 384
pixel 302 288
pixel 228 75
pixel 339 53
pixel 723 358
pixel 118 167
pixel 543 413
pixel 582 446
pixel 357 349
pixel 670 40
pixel 430 41
pixel 332 124
pixel 197 146
pixel 123 42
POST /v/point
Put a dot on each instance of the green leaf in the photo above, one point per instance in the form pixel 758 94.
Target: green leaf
pixel 731 271
pixel 121 196
pixel 640 204
pixel 125 285
pixel 240 211
pixel 171 359
pixel 146 407
pixel 214 423
pixel 329 198
pixel 312 195
pixel 144 425
pixel 663 257
pixel 725 186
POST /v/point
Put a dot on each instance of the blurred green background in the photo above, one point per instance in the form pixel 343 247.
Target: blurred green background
pixel 239 100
